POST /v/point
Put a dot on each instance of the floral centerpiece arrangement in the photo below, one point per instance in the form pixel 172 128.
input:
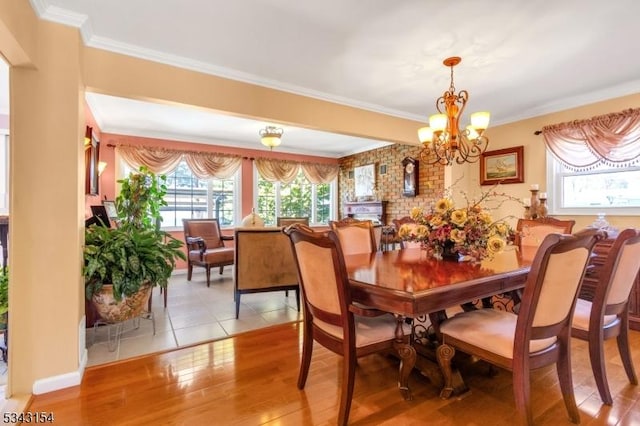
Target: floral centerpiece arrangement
pixel 447 231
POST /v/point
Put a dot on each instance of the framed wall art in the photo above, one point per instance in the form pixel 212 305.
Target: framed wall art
pixel 91 158
pixel 410 177
pixel 502 166
pixel 365 182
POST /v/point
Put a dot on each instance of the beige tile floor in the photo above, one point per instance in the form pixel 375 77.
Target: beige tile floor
pixel 195 313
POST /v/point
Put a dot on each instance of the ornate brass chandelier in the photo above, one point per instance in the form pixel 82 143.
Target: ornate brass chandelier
pixel 271 136
pixel 443 140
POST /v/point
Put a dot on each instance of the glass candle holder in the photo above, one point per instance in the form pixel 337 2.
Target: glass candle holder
pixel 534 203
pixel 543 211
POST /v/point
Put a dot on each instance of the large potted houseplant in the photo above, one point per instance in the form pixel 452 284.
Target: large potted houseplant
pixel 123 264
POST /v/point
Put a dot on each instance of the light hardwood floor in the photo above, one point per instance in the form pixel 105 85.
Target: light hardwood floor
pixel 195 313
pixel 250 379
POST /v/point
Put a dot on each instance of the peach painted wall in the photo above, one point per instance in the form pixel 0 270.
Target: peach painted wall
pixel 521 133
pixel 46 206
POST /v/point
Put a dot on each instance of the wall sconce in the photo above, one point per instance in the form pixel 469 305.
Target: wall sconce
pixel 101 166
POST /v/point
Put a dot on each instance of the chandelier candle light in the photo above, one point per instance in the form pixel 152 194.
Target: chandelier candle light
pixel 271 136
pixel 443 140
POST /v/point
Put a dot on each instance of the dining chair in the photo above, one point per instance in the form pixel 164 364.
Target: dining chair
pixel 536 337
pixel 356 236
pixel 330 318
pixel 607 315
pixel 408 221
pixel 290 220
pixel 286 221
pixel 205 246
pixel 531 232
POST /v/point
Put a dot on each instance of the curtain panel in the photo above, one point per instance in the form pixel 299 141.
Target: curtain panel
pixel 612 140
pixel 320 173
pixel 277 170
pixel 286 171
pixel 204 165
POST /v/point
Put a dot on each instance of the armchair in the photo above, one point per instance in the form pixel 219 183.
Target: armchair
pixel 264 262
pixel 205 246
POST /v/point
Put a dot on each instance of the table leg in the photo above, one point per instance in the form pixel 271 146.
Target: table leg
pixel 444 354
pixel 407 354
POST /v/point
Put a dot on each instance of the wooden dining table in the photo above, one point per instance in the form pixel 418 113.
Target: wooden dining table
pixel 411 284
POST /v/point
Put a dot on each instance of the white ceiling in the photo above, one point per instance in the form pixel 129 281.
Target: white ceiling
pixel 520 58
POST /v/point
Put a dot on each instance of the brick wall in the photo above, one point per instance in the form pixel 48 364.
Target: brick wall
pixel 389 185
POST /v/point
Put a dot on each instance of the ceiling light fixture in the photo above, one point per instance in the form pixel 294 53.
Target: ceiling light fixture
pixel 443 140
pixel 270 136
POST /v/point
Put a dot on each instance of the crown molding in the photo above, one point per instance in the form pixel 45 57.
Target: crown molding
pixel 206 68
pixel 253 145
pixel 583 99
pixel 82 22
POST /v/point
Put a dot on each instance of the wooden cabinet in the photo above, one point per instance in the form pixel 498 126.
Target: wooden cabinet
pixel 600 253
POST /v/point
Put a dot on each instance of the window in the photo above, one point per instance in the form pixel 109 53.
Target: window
pixel 299 198
pixel 614 191
pixel 191 198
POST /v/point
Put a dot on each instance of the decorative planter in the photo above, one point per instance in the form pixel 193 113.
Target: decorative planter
pixel 112 311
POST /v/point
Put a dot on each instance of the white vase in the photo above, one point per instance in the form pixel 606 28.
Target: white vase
pixel 252 220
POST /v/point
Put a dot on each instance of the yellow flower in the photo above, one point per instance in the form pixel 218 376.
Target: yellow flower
pixel 495 244
pixel 405 231
pixel 459 217
pixel 501 228
pixel 436 221
pixel 485 217
pixel 458 235
pixel 422 231
pixel 415 213
pixel 443 205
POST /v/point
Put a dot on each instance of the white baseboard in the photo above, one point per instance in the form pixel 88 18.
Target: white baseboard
pixel 50 384
pixel 55 383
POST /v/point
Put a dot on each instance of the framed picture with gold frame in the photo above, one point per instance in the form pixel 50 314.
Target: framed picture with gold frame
pixel 502 166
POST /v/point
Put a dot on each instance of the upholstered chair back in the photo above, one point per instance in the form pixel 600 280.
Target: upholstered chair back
pixel 552 286
pixel 531 232
pixel 286 221
pixel 626 272
pixel 560 285
pixel 207 229
pixel 355 236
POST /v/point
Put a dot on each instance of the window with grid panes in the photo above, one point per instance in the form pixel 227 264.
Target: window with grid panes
pixel 191 198
pixel 299 198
